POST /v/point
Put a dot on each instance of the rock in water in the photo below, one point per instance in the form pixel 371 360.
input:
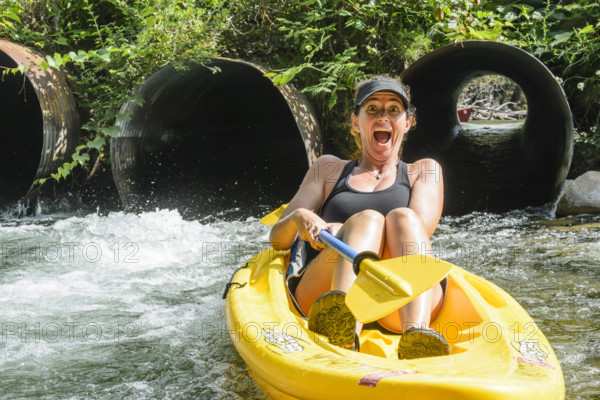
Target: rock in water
pixel 582 196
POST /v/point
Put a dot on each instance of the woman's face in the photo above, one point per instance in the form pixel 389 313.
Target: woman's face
pixel 382 124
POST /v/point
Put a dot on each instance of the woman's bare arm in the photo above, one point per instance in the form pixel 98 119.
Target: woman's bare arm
pixel 427 193
pixel 299 218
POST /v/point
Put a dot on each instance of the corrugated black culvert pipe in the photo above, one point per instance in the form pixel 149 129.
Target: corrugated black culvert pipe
pixel 495 170
pixel 206 140
pixel 39 124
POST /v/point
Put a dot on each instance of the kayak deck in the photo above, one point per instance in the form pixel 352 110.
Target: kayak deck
pixel 496 350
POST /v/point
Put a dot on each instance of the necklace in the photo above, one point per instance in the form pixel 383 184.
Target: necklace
pixel 377 175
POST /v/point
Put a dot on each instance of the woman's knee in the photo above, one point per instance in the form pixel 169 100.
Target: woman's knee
pixel 370 217
pixel 405 233
pixel 404 216
pixel 364 231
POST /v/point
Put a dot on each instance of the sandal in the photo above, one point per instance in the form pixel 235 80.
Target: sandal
pixel 421 343
pixel 329 316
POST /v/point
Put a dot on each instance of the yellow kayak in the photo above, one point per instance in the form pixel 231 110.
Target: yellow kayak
pixel 496 350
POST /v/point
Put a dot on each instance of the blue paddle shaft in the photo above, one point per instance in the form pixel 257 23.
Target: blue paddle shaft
pixel 342 248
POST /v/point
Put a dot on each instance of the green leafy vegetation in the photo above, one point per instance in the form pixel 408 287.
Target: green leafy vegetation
pixel 108 47
pixel 564 35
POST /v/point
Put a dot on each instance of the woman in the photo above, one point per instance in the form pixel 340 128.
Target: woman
pixel 374 203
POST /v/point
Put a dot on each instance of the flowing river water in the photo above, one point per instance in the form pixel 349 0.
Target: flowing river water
pixel 121 305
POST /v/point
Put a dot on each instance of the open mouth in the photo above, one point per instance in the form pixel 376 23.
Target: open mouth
pixel 382 136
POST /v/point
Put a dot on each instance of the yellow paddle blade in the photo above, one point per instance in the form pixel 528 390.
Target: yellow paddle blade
pixel 384 286
pixel 273 217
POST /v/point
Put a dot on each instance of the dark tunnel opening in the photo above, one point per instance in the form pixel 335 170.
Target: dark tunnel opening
pixel 208 142
pixel 21 138
pixel 490 170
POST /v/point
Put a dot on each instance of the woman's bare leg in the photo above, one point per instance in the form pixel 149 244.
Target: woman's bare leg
pixel 405 235
pixel 362 232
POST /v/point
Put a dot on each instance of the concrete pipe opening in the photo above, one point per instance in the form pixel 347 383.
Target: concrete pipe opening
pixel 39 128
pixel 490 168
pixel 207 141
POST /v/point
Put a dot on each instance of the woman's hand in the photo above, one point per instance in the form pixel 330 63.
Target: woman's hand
pixel 309 225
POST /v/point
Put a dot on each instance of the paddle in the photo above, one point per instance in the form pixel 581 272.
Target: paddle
pixel 382 286
pixel 273 217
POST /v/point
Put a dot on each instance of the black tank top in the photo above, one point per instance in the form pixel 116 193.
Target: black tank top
pixel 344 201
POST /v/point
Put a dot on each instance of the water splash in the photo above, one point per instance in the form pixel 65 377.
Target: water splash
pixel 129 305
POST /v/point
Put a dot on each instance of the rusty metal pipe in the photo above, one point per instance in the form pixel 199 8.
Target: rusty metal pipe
pixel 496 170
pixel 39 124
pixel 207 142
